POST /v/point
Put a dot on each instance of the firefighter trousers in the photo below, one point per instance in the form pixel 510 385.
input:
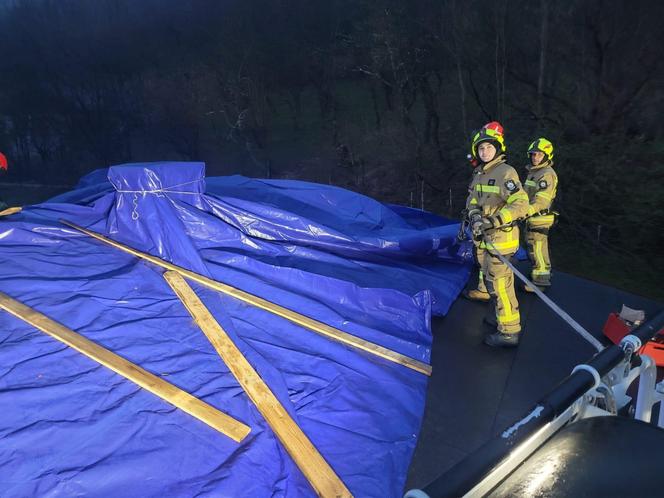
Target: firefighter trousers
pixel 479 257
pixel 500 284
pixel 537 241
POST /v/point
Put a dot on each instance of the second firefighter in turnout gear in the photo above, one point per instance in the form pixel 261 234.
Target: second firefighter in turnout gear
pixel 497 201
pixel 541 185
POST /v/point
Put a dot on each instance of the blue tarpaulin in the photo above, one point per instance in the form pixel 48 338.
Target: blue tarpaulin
pixel 70 427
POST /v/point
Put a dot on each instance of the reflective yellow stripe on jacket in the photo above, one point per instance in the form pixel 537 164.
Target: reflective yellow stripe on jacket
pixel 515 197
pixel 505 216
pixel 542 220
pixel 508 246
pixel 487 189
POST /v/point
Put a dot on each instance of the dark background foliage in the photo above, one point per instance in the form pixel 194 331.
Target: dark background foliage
pixel 379 96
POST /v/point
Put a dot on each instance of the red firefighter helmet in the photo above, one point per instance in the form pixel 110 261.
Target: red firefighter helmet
pixel 493 129
pixel 495 126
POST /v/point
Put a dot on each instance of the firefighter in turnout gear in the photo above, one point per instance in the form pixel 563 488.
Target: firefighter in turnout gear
pixel 497 201
pixel 479 292
pixel 541 185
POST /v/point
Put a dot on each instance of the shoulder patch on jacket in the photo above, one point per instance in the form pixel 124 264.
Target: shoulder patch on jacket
pixel 510 185
pixel 543 184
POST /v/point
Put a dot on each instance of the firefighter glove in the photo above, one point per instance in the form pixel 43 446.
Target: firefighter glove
pixel 481 225
pixel 474 215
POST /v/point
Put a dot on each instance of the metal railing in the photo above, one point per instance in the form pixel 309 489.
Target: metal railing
pixel 596 388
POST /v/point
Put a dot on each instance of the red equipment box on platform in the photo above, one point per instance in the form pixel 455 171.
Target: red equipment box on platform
pixel 615 329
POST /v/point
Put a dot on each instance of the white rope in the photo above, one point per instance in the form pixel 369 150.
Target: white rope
pixel 160 191
pixel 167 190
pixel 554 307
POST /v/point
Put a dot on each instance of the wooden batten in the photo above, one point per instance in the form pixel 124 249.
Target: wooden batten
pixel 228 426
pixel 10 210
pixel 293 316
pixel 312 464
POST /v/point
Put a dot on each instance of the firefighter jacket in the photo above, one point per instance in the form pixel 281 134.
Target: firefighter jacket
pixel 496 191
pixel 541 185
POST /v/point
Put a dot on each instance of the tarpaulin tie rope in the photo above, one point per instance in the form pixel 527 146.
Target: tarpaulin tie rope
pixel 167 190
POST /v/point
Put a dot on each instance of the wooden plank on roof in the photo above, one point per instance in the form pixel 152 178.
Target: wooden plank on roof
pixel 312 464
pixel 293 316
pixel 223 423
pixel 10 210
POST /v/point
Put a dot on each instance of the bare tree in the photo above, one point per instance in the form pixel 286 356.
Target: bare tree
pixel 544 38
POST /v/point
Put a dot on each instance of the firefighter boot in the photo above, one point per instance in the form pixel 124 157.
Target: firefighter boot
pixel 480 293
pixel 476 295
pixel 500 340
